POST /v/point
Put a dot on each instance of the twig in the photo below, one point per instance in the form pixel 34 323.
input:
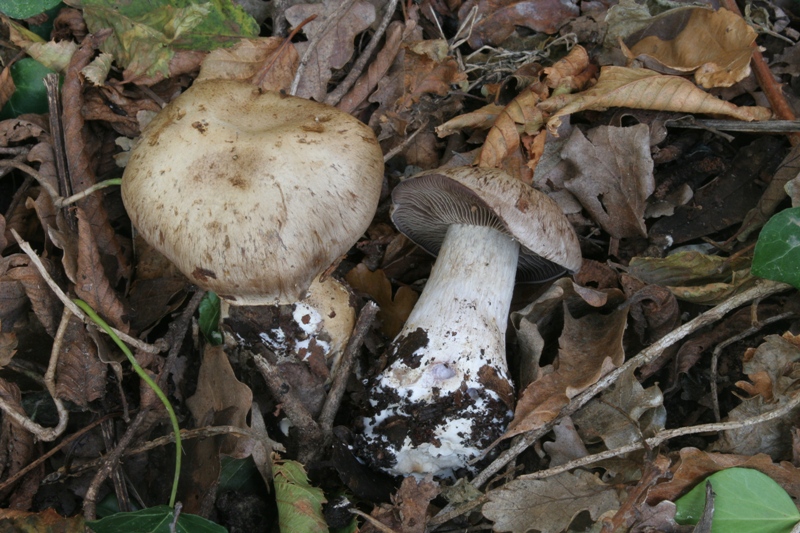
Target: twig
pixel 402 146
pixel 109 463
pixel 186 434
pixel 762 289
pixel 57 132
pixel 262 73
pixel 32 172
pixel 158 347
pixel 334 398
pixel 763 126
pixel 329 21
pixel 337 94
pixel 373 522
pixel 63 202
pixel 42 433
pixel 175 335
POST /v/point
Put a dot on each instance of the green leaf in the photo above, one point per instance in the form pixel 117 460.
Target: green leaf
pixel 777 254
pixel 239 474
pixel 209 318
pixel 22 9
pixel 154 520
pixel 299 504
pixel 146 33
pixel 31 94
pixel 746 501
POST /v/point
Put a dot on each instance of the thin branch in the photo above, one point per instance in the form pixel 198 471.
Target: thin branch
pixel 337 94
pixel 158 347
pixel 335 395
pixel 402 146
pixel 63 202
pixel 329 21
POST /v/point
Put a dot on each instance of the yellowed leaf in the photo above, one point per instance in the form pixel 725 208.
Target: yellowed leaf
pixel 394 311
pixel 564 72
pixel 7 86
pixel 645 89
pixel 715 45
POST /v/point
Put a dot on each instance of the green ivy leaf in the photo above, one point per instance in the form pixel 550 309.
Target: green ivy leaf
pixel 777 253
pixel 154 520
pixel 31 94
pixel 299 503
pixel 22 9
pixel 209 312
pixel 746 500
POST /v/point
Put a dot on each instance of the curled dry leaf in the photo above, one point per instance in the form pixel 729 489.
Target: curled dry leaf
pixel 715 45
pixel 612 176
pixel 566 71
pixel 408 512
pixel 548 505
pixel 503 138
pixel 645 89
pixel 481 119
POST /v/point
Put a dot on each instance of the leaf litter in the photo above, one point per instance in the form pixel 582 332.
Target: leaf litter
pixel 663 361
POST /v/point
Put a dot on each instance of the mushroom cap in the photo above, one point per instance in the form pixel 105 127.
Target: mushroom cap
pixel 426 204
pixel 252 194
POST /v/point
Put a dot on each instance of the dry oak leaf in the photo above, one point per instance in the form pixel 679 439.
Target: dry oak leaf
pixel 498 19
pixel 548 505
pixel 645 89
pixel 715 45
pixel 246 59
pixel 589 348
pixel 335 41
pixel 408 512
pixel 612 176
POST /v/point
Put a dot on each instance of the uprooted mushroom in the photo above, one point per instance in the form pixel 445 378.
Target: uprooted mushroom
pixel 252 194
pixel 447 395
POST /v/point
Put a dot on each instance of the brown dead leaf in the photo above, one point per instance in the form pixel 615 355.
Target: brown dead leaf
pixel 44 521
pixel 480 119
pixel 695 465
pixel 603 419
pixel 335 42
pixel 589 347
pixel 567 445
pixel 394 309
pixel 565 73
pixel 18 443
pixel 46 305
pixel 7 86
pixel 503 138
pixel 548 505
pixel 22 129
pixel 80 374
pixel 497 19
pixel 220 399
pixel 715 45
pixel 247 57
pixel 396 33
pixel 645 89
pixel 408 512
pixel 93 286
pixel 613 176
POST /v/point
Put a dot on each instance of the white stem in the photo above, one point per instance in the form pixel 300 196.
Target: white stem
pixel 447 394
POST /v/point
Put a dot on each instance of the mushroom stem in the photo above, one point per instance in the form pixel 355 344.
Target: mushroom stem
pixel 447 395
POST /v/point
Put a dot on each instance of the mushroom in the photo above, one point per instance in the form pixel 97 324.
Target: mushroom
pixel 251 193
pixel 447 395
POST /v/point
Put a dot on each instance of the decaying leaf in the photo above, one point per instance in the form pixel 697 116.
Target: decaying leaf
pixel 645 89
pixel 567 445
pixel 589 347
pixel 715 45
pixel 548 505
pixel 245 60
pixel 613 176
pixel 408 512
pixel 335 42
pixel 497 19
pixel 80 374
pixel 623 413
pixel 394 309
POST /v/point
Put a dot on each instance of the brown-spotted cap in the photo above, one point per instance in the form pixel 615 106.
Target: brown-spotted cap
pixel 251 193
pixel 426 204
